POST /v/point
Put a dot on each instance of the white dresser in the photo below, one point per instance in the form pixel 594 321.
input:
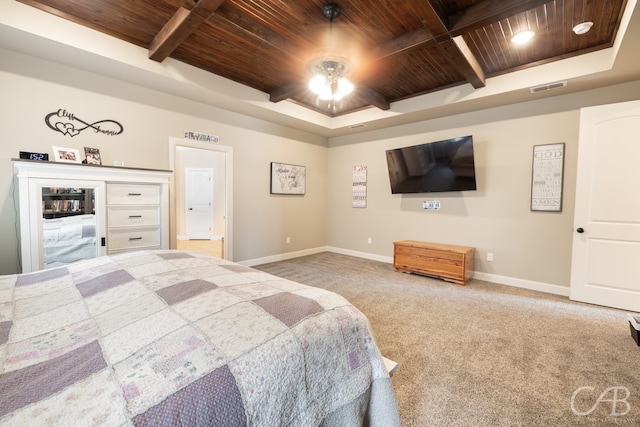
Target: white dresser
pixel 127 207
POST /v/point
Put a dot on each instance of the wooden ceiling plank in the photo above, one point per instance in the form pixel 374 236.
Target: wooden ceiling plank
pixel 488 12
pixel 403 43
pixel 179 27
pixel 255 29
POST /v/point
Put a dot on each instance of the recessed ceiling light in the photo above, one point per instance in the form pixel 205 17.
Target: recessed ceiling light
pixel 522 37
pixel 582 27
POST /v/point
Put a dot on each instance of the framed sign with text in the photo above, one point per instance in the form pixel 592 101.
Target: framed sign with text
pixel 547 177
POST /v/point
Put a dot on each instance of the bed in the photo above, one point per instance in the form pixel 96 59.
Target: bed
pixel 68 239
pixel 171 337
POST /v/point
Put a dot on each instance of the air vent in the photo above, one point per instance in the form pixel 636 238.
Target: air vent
pixel 549 86
pixel 358 126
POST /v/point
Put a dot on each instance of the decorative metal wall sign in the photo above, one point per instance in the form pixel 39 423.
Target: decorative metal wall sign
pixel 68 124
pixel 204 137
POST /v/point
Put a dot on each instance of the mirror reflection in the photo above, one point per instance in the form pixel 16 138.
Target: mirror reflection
pixel 68 225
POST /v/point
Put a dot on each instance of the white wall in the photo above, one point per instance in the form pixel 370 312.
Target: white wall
pixel 33 88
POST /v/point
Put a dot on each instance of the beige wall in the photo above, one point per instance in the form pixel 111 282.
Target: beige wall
pixel 32 88
pixel 532 249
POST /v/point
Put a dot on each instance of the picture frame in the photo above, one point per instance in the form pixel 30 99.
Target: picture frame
pixel 547 177
pixel 92 156
pixel 288 179
pixel 66 155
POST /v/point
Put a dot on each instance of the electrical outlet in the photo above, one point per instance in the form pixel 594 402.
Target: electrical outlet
pixel 489 256
pixel 369 240
pixel 288 240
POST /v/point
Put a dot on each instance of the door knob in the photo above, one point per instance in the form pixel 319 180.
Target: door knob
pixel 580 230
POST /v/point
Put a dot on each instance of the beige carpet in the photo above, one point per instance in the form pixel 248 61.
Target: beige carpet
pixel 487 354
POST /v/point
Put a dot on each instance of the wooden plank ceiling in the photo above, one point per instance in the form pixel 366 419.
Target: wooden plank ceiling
pixel 399 48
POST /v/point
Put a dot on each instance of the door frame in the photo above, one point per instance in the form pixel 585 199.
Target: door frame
pixel 174 144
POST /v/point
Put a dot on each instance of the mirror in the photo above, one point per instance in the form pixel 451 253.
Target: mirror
pixel 68 225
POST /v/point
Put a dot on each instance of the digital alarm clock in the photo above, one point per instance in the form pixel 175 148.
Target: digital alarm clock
pixel 34 156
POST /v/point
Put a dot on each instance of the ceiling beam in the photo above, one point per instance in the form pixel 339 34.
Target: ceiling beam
pixel 180 26
pixel 285 92
pixel 372 97
pixel 456 50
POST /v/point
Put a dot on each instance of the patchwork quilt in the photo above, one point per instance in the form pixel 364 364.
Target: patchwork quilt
pixel 169 337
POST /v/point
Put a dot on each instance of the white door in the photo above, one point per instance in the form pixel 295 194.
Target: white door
pixel 606 242
pixel 199 203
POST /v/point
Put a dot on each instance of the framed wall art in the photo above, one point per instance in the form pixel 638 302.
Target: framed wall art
pixel 359 187
pixel 288 179
pixel 67 155
pixel 547 177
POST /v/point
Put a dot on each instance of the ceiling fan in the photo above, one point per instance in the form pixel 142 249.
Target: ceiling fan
pixel 330 68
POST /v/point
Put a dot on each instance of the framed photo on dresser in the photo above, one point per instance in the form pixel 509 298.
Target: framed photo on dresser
pixel 66 155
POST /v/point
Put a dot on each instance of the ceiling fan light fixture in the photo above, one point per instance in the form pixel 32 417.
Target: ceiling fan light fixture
pixel 329 70
pixel 345 87
pixel 328 81
pixel 582 27
pixel 522 37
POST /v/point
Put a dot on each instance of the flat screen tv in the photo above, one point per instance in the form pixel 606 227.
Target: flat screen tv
pixel 433 167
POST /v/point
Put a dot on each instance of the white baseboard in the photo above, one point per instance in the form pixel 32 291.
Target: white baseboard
pixel 282 257
pixel 185 237
pixel 365 255
pixel 494 278
pixel 522 283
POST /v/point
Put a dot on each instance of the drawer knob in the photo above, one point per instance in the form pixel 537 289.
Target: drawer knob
pixel 135 216
pixel 135 238
pixel 135 194
pixel 580 230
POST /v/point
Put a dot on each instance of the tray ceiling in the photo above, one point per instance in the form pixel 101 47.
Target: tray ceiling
pixel 399 49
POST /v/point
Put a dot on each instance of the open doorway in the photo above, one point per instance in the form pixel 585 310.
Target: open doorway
pixel 201 214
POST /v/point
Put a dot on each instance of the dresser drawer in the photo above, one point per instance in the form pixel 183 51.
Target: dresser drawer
pixel 124 216
pixel 127 238
pixel 133 194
